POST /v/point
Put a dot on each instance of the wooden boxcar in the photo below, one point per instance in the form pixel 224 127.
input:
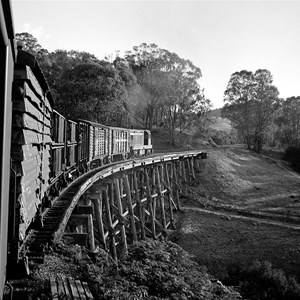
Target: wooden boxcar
pixel 120 143
pixel 30 142
pixel 71 144
pixel 83 145
pixel 58 145
pixel 7 58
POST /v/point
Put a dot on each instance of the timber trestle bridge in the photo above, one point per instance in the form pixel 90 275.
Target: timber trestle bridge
pixel 116 205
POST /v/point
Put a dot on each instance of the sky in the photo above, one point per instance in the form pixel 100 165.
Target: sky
pixel 219 37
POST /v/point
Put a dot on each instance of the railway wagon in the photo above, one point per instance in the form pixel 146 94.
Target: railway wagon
pixel 7 59
pixel 106 143
pixel 64 154
pixel 31 143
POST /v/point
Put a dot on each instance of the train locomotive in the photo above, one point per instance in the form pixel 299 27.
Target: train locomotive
pixel 48 151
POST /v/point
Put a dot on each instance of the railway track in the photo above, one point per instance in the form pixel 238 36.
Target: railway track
pixel 38 240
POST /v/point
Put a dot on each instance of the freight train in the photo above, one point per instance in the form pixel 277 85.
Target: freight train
pixel 47 150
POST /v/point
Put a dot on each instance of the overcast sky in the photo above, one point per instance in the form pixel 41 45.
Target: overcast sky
pixel 220 37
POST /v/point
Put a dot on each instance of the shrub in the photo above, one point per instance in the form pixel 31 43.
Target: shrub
pixel 292 155
pixel 260 281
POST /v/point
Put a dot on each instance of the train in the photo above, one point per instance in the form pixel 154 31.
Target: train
pixel 48 151
pixel 42 150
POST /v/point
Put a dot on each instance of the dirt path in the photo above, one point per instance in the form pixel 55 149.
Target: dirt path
pixel 244 207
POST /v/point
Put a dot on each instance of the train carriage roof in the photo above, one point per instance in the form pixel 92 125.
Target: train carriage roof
pixel 93 123
pixel 113 127
pixel 26 58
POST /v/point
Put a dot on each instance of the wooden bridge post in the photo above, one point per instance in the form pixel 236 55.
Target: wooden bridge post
pixel 91 232
pixel 110 226
pixel 161 196
pixel 98 215
pixel 194 161
pixel 170 195
pixel 153 191
pixel 139 206
pixel 149 197
pixel 176 183
pixel 197 163
pixel 183 163
pixel 121 217
pixel 190 168
pixel 130 208
pixel 90 225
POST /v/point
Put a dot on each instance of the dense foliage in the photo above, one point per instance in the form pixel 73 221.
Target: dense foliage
pixel 253 106
pixel 168 87
pixel 251 102
pixel 261 281
pixel 292 155
pixel 149 86
pixel 151 270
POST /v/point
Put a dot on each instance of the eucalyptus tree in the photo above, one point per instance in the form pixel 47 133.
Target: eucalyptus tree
pixel 184 101
pixel 239 104
pixel 93 91
pixel 266 105
pixel 251 101
pixel 288 122
pixel 30 44
pixel 168 88
pixel 148 64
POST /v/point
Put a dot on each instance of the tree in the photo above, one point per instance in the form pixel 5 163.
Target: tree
pixel 148 65
pixel 82 85
pixel 239 102
pixel 92 91
pixel 168 92
pixel 251 101
pixel 288 122
pixel 184 102
pixel 266 105
pixel 62 61
pixel 30 44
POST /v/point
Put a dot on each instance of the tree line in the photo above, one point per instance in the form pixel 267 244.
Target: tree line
pixel 148 86
pixel 259 115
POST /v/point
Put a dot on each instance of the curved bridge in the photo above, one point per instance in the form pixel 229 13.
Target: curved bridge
pixel 111 207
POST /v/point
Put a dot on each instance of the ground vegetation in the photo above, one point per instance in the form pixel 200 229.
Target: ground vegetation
pixel 152 269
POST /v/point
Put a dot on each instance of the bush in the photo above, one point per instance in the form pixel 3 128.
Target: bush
pixel 292 155
pixel 154 270
pixel 260 281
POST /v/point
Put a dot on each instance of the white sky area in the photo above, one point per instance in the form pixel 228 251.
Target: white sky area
pixel 220 37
